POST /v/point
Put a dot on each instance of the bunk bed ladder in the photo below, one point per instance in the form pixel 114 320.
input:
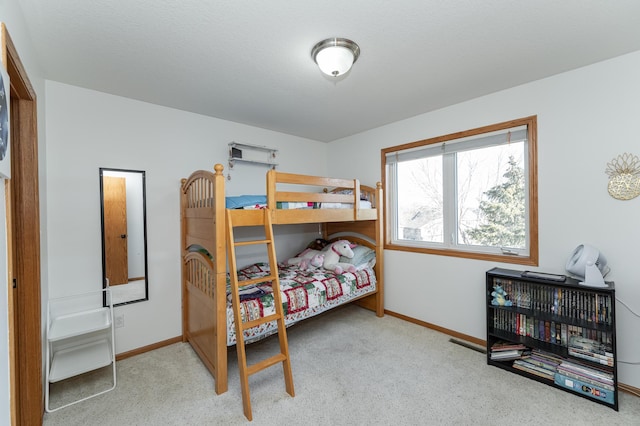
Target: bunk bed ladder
pixel 283 356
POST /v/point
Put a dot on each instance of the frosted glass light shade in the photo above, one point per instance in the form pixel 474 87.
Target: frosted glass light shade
pixel 335 61
pixel 335 56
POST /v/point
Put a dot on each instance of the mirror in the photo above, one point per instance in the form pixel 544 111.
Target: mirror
pixel 124 234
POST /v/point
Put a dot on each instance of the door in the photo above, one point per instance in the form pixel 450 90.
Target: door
pixel 23 240
pixel 115 229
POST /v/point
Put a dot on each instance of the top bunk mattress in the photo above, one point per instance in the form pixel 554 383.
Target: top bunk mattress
pixel 248 202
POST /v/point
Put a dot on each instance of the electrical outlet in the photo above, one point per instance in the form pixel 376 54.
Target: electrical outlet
pixel 119 321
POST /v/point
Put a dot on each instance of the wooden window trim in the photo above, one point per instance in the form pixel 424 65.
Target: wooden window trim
pixel 532 128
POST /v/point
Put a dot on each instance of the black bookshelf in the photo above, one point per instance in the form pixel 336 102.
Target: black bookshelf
pixel 554 331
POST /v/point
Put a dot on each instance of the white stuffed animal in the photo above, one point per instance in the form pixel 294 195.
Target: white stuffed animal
pixel 331 254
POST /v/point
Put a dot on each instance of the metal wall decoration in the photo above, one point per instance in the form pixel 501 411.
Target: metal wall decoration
pixel 624 176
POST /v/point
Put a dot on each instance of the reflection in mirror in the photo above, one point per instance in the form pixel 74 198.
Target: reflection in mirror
pixel 124 234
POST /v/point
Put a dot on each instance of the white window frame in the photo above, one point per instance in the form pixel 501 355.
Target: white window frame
pixel 524 129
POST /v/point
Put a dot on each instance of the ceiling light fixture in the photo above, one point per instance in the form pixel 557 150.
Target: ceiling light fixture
pixel 335 56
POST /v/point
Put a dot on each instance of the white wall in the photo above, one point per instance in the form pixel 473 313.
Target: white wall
pixel 87 130
pixel 586 118
pixel 11 15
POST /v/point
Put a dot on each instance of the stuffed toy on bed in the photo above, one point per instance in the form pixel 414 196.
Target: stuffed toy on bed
pixel 312 263
pixel 331 254
pixel 318 244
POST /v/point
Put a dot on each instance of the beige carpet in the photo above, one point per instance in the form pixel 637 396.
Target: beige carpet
pixel 349 368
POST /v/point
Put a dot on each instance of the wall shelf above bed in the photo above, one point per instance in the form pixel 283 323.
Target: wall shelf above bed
pixel 252 154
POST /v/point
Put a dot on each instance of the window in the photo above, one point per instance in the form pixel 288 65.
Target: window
pixel 469 194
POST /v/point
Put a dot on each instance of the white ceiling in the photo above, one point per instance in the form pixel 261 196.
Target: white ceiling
pixel 249 61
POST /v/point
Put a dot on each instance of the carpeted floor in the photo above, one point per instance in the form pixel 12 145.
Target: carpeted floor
pixel 349 368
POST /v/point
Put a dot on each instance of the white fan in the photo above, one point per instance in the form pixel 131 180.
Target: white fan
pixel 589 264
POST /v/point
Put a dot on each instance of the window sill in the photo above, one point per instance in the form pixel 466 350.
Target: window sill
pixel 530 260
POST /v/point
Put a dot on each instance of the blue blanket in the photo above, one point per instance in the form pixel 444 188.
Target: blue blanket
pixel 241 201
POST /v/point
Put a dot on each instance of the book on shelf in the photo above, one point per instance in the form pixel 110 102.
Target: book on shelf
pixel 590 345
pixel 597 358
pixel 523 365
pixel 542 362
pixel 581 387
pixel 506 351
pixel 601 340
pixel 581 375
pixel 525 362
pixel 506 346
pixel 547 331
pixel 506 355
pixel 587 371
pixel 590 367
pixel 533 372
pixel 586 379
pixel 547 356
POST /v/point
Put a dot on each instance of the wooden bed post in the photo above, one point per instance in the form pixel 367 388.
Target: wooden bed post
pixel 356 199
pixel 183 245
pixel 271 192
pixel 220 270
pixel 379 268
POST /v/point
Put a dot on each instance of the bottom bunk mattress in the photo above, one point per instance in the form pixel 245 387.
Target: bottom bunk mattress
pixel 304 294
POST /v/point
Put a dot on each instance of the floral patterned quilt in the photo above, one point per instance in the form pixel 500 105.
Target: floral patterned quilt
pixel 304 294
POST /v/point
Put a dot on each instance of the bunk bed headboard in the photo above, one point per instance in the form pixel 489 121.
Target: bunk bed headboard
pixel 204 268
pixel 202 196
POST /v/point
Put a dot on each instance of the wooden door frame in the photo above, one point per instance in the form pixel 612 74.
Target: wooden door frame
pixel 23 244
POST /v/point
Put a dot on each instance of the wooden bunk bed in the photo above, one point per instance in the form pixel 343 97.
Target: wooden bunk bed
pixel 204 250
